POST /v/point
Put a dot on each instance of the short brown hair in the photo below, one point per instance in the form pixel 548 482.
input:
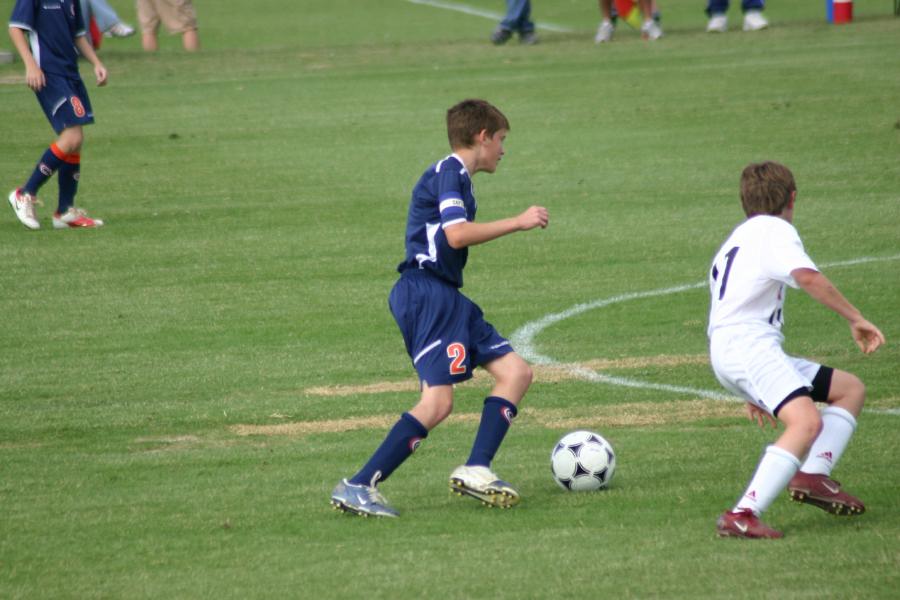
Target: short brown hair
pixel 466 119
pixel 766 188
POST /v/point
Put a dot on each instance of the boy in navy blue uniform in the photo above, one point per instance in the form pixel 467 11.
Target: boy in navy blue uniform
pixel 445 333
pixel 49 35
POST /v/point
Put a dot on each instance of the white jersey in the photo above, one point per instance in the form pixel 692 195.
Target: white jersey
pixel 749 273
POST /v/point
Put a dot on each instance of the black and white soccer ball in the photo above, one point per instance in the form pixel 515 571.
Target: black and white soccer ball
pixel 582 461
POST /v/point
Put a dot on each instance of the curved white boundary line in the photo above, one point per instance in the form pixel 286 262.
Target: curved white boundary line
pixel 523 339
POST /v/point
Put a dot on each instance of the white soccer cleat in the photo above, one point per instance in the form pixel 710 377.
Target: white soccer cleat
pixel 74 217
pixel 482 484
pixel 717 24
pixel 23 205
pixel 754 21
pixel 604 32
pixel 651 30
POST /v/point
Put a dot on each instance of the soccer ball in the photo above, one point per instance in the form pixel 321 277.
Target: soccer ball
pixel 582 461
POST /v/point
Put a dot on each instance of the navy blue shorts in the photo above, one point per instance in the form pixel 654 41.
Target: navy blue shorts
pixel 65 102
pixel 445 333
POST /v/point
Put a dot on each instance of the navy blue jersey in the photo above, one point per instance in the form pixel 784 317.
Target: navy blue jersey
pixel 442 197
pixel 52 27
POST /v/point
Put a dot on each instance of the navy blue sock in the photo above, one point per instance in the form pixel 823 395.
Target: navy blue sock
pixel 401 441
pixel 69 172
pixel 496 418
pixel 44 169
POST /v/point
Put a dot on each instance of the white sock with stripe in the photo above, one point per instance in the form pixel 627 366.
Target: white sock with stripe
pixel 838 426
pixel 772 475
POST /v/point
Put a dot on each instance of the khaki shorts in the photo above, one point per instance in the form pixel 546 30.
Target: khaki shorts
pixel 177 15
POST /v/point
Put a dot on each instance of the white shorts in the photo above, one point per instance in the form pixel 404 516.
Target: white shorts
pixel 757 369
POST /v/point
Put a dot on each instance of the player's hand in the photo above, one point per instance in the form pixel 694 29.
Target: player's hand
pixel 868 337
pixel 755 413
pixel 535 216
pixel 101 74
pixel 34 77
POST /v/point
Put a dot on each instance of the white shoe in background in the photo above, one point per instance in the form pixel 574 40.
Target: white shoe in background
pixel 717 24
pixel 754 21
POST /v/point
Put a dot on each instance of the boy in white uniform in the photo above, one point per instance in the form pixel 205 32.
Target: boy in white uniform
pixel 747 283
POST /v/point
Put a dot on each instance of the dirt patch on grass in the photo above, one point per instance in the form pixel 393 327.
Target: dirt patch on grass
pixel 336 425
pixel 642 362
pixel 638 414
pixel 890 405
pixel 169 443
pixel 542 374
pixel 370 388
pixel 633 414
pixel 20 446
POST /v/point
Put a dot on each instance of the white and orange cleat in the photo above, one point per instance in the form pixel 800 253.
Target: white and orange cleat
pixel 23 205
pixel 74 217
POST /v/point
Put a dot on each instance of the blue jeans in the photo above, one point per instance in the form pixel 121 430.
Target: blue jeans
pixel 103 13
pixel 720 7
pixel 518 13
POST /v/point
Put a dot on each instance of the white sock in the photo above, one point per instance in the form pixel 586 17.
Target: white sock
pixel 775 470
pixel 838 426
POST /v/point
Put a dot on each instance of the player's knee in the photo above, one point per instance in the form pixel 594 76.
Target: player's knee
pixel 440 409
pixel 848 392
pixel 522 374
pixel 811 427
pixel 431 414
pixel 444 410
pixel 70 140
pixel 857 396
pixel 857 389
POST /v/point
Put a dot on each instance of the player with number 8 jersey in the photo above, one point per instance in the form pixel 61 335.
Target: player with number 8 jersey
pixel 747 283
pixel 50 36
pixel 445 333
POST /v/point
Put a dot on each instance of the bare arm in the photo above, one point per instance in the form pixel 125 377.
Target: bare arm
pixel 867 336
pixel 34 76
pixel 87 51
pixel 470 233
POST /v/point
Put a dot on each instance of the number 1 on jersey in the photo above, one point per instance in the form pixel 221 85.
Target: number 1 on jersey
pixel 729 259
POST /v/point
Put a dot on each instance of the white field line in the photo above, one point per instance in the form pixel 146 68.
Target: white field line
pixel 487 14
pixel 523 339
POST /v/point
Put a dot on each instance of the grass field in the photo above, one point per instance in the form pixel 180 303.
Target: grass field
pixel 181 389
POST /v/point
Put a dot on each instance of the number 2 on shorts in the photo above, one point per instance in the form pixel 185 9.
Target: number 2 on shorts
pixel 457 354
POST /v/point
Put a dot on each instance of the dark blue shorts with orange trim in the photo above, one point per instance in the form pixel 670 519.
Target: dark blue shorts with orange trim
pixel 65 101
pixel 445 333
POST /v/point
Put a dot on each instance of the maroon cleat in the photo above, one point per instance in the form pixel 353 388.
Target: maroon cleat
pixel 826 493
pixel 744 524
